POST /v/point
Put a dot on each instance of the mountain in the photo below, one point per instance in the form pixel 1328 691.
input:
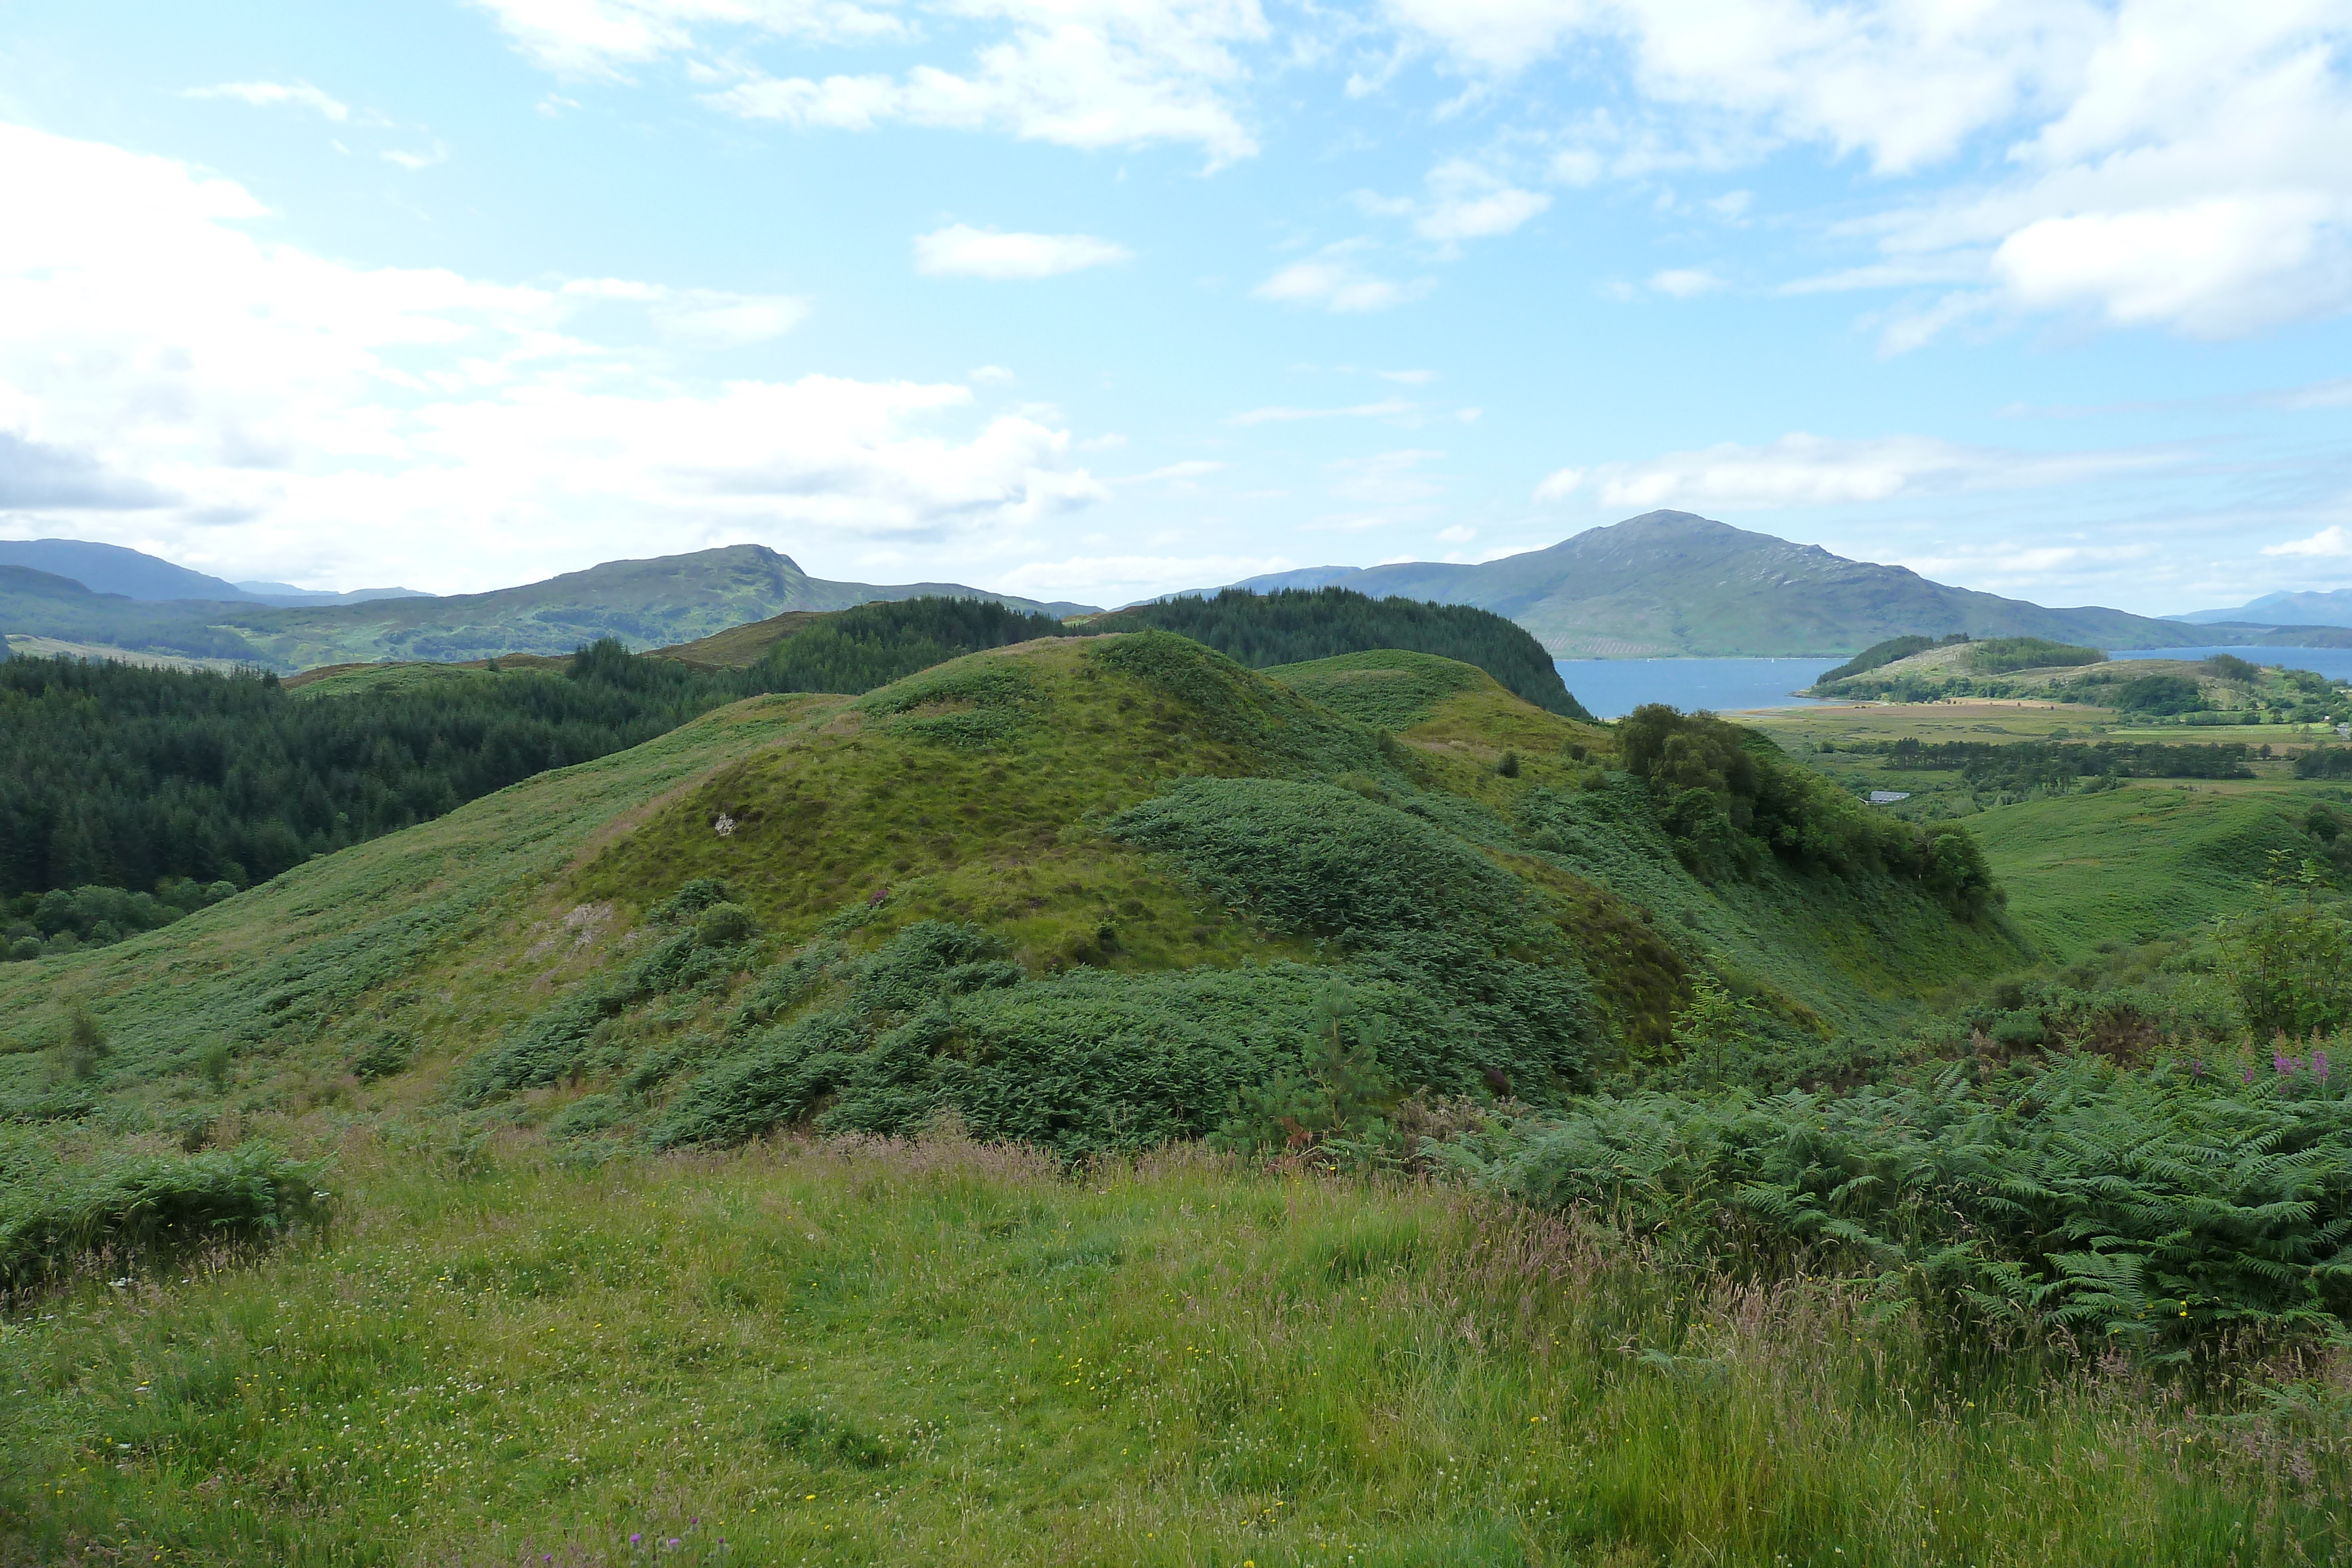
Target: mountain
pixel 2332 608
pixel 44 605
pixel 111 568
pixel 286 593
pixel 664 600
pixel 1673 583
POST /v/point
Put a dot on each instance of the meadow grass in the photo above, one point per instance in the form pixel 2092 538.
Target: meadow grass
pixel 2154 857
pixel 934 1352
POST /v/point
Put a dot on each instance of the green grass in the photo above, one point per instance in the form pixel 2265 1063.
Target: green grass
pixel 2141 861
pixel 939 1354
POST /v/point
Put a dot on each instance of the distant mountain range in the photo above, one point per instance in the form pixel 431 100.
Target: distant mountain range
pixel 2329 609
pixel 1673 583
pixel 135 574
pixel 646 603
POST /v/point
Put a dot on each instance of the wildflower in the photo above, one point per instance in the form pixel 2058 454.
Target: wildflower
pixel 2285 1064
pixel 2319 1065
pixel 2197 1068
pixel 635 1537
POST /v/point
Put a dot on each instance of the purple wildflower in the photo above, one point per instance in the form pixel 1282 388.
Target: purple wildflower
pixel 2283 1063
pixel 2319 1065
pixel 2249 1075
pixel 635 1537
pixel 2196 1068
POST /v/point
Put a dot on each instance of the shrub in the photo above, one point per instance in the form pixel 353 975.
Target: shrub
pixel 151 1203
pixel 2159 694
pixel 2161 1207
pixel 86 1046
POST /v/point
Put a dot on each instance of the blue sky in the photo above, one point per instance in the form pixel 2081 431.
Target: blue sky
pixel 1092 299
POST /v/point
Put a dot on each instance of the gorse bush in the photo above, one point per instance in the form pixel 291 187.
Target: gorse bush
pixel 2154 1208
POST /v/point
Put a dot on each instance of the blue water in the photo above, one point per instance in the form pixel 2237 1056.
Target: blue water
pixel 1613 688
pixel 2335 664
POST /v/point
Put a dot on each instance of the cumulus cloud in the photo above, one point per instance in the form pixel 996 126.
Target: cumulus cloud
pixel 1078 73
pixel 961 251
pixel 2164 166
pixel 291 413
pixel 264 94
pixel 1683 282
pixel 1809 470
pixel 1336 281
pixel 1461 201
pixel 2333 540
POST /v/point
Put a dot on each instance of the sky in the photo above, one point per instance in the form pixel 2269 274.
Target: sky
pixel 1091 300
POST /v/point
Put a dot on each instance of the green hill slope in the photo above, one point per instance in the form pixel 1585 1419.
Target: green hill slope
pixel 1125 854
pixel 1675 583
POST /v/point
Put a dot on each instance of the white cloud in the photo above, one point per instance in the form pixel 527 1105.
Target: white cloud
pixel 264 94
pixel 712 319
pixel 991 376
pixel 2156 163
pixel 1078 73
pixel 1457 535
pixel 1809 470
pixel 961 251
pixel 2330 541
pixel 1282 416
pixel 599 37
pixel 1462 202
pixel 1683 282
pixel 1408 378
pixel 415 161
pixel 313 421
pixel 1333 279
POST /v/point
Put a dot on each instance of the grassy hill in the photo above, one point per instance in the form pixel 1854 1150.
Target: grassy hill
pixel 1673 583
pixel 779 1140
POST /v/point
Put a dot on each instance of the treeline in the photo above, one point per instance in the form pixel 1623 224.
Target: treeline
pixel 117 776
pixel 858 649
pixel 1296 625
pixel 2055 765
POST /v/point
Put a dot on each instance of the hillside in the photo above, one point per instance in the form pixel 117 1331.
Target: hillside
pixel 784 1139
pixel 1669 584
pixel 2216 691
pixel 1066 803
pixel 41 604
pixel 135 574
pixel 644 603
